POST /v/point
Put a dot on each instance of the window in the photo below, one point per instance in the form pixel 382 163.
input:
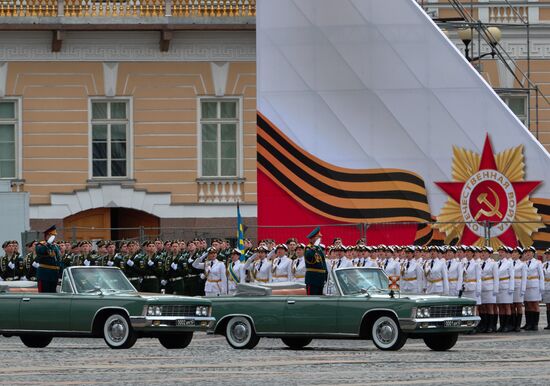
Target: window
pixel 219 126
pixel 110 127
pixel 8 139
pixel 518 105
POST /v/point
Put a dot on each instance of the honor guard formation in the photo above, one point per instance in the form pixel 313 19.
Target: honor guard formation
pixel 506 284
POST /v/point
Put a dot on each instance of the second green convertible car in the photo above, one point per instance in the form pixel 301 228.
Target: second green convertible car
pixel 100 302
pixel 361 308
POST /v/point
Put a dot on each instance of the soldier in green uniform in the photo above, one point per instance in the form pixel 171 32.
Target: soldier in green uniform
pixel 107 260
pixel 316 267
pixel 176 268
pixel 11 264
pixel 119 260
pixel 66 255
pixel 132 263
pixel 31 262
pixel 49 260
pixel 193 284
pixel 87 258
pixel 151 267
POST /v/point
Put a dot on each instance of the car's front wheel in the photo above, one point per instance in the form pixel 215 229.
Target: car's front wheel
pixel 296 343
pixel 36 341
pixel 387 335
pixel 441 342
pixel 117 332
pixel 180 340
pixel 240 333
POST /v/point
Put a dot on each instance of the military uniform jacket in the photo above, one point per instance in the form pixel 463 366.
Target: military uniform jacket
pixel 316 266
pixel 520 276
pixel 30 269
pixel 506 278
pixel 392 267
pixel 343 262
pixel 411 277
pixel 299 269
pixel 455 272
pixel 235 275
pixel 261 271
pixel 436 279
pixel 216 279
pixel 131 266
pixel 151 267
pixel 369 262
pixel 281 269
pixel 12 267
pixel 49 258
pixel 535 275
pixel 472 277
pixel 489 276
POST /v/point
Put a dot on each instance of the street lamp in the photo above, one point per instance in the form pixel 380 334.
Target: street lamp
pixel 466 35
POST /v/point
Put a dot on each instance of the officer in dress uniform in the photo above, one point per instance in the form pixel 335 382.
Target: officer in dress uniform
pixel 260 266
pixel 235 272
pixel 505 296
pixel 299 264
pixel 471 278
pixel 214 272
pixel 489 291
pixel 533 289
pixel 392 268
pixel 520 281
pixel 281 270
pixel 175 269
pixel 368 259
pixel 435 275
pixel 49 260
pixel 12 264
pixel 343 261
pixel 411 274
pixel 455 270
pixel 546 294
pixel 316 267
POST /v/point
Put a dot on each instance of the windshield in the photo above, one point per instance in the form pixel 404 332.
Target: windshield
pixel 107 279
pixel 355 281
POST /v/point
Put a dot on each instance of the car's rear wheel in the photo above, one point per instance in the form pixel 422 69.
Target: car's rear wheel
pixel 387 335
pixel 36 341
pixel 180 340
pixel 240 333
pixel 296 343
pixel 441 342
pixel 117 332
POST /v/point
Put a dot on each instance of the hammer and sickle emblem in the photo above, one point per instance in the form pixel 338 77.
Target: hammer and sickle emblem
pixel 493 208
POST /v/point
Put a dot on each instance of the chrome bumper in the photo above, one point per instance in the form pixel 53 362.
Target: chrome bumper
pixel 183 322
pixel 420 324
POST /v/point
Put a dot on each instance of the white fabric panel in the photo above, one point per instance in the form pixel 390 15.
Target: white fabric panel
pixel 371 83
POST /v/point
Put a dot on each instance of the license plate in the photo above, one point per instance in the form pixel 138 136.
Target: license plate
pixel 184 322
pixel 453 323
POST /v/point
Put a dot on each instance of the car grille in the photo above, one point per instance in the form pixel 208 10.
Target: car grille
pixel 178 310
pixel 445 311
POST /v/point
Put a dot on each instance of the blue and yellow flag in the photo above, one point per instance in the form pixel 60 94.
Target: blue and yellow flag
pixel 240 232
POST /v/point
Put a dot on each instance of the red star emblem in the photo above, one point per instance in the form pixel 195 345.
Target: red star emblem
pixel 488 197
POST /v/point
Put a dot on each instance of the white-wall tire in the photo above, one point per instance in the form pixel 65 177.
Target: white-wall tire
pixel 118 333
pixel 386 334
pixel 240 334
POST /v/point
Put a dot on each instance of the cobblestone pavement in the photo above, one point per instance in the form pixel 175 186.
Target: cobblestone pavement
pixel 497 359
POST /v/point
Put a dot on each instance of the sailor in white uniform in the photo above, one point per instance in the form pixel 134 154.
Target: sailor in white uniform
pixel 214 272
pixel 533 289
pixel 520 282
pixel 299 264
pixel 281 270
pixel 235 272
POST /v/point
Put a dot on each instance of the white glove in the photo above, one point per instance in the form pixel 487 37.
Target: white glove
pixel 150 263
pixel 35 264
pixel 174 266
pixel 11 265
pixel 202 276
pixel 163 282
pixel 130 263
pixel 24 278
pixel 86 262
pixel 110 263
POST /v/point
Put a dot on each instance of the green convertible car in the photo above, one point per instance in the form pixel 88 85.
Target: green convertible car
pixel 361 308
pixel 100 302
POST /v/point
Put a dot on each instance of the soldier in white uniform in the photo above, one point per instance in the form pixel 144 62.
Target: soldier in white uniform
pixel 281 270
pixel 520 281
pixel 471 278
pixel 343 261
pixel 489 290
pixel 506 287
pixel 411 274
pixel 332 260
pixel 455 271
pixel 259 266
pixel 235 272
pixel 214 272
pixel 299 264
pixel 392 267
pixel 368 259
pixel 533 289
pixel 546 294
pixel 435 276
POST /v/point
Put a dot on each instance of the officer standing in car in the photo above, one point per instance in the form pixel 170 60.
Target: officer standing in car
pixel 49 260
pixel 316 266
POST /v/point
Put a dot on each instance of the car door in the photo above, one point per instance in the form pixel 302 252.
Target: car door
pixel 9 315
pixel 49 312
pixel 311 314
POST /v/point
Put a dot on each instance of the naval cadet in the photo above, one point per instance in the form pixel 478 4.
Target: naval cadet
pixel 49 260
pixel 316 266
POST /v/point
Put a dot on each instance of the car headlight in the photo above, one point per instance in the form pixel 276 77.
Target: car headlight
pixel 154 311
pixel 467 311
pixel 423 312
pixel 202 311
